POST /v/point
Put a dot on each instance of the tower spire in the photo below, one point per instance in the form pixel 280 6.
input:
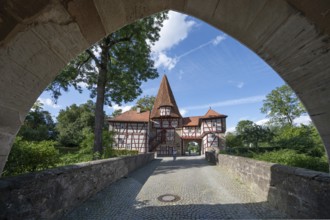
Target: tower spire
pixel 165 98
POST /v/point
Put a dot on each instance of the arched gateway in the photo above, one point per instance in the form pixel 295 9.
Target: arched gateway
pixel 38 38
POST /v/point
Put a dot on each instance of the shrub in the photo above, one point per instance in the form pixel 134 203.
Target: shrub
pixel 292 158
pixel 118 153
pixel 27 156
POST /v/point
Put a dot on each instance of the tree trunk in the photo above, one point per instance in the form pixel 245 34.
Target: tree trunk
pixel 99 115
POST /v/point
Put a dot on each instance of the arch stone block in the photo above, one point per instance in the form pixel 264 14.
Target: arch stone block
pixel 38 38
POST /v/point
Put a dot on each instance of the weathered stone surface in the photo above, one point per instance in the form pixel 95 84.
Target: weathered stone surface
pixel 85 14
pixel 298 192
pixel 52 193
pixel 317 11
pixel 27 85
pixel 14 11
pixel 7 140
pixel 8 118
pixel 215 194
pixel 40 37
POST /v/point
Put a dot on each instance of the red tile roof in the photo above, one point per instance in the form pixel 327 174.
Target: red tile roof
pixel 191 121
pixel 132 116
pixel 213 114
pixel 165 97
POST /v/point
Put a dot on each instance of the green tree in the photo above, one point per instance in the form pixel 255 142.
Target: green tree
pixel 114 68
pixel 243 125
pixel 73 122
pixel 251 133
pixel 145 103
pixel 303 139
pixel 282 106
pixel 116 112
pixel 38 125
pixel 233 140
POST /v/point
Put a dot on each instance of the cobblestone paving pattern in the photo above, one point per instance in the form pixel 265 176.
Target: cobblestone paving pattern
pixel 205 191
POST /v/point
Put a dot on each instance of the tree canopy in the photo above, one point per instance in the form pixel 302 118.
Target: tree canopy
pixel 282 106
pixel 38 125
pixel 114 68
pixel 145 103
pixel 73 121
pixel 251 133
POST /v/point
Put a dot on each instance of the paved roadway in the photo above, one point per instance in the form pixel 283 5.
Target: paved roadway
pixel 202 191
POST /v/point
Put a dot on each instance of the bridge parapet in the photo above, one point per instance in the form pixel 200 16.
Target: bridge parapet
pixel 299 192
pixel 50 194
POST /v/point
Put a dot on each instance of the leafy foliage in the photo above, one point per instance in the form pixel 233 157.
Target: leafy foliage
pixel 295 159
pixel 303 139
pixel 38 125
pixel 251 133
pixel 299 146
pixel 117 112
pixel 233 140
pixel 26 156
pixel 114 68
pixel 282 106
pixel 73 122
pixel 145 103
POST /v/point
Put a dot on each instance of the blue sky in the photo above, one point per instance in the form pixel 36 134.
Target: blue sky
pixel 205 68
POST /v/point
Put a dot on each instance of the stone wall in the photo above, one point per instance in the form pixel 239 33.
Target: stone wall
pixel 51 193
pixel 301 193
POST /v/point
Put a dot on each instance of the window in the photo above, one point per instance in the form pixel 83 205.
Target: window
pixel 121 140
pixel 156 123
pixel 174 123
pixel 165 123
pixel 165 111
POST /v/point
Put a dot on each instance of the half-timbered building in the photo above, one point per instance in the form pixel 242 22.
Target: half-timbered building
pixel 164 129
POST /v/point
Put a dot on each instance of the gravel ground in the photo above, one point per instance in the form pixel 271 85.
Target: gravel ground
pixel 190 187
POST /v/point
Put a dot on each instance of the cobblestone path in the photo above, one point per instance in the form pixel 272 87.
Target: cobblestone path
pixel 202 191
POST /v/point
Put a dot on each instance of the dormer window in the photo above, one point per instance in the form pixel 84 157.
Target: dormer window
pixel 165 110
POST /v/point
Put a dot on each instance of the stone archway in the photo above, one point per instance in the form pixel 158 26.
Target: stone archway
pixel 38 37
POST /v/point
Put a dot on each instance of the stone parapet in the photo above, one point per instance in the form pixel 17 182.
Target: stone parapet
pixel 50 194
pixel 299 192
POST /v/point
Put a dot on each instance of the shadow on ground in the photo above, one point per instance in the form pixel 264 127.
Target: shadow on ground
pixel 121 202
pixel 169 165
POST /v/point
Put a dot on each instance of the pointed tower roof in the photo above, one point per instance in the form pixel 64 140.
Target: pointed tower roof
pixel 165 98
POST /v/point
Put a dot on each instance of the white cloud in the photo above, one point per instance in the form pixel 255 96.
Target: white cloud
pixel 237 84
pixel 200 47
pixel 231 129
pixel 305 119
pixel 240 85
pixel 183 112
pixel 165 61
pixel 218 39
pixel 82 85
pixel 175 29
pixel 181 74
pixel 48 102
pixel 262 121
pixel 231 102
pixel 123 108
